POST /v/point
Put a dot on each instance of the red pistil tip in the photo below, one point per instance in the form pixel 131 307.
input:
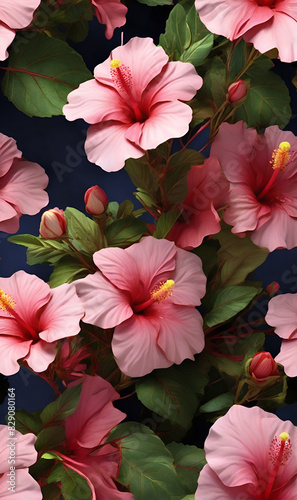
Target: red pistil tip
pixel 162 291
pixel 115 63
pixel 281 156
pixel 6 301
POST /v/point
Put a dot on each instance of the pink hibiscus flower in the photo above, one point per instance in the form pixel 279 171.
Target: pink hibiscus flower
pixel 262 170
pixel 32 318
pixel 251 454
pixel 282 314
pixel 207 193
pixel 17 453
pixel 133 102
pixel 112 13
pixel 148 292
pixel 14 15
pixel 86 431
pixel 22 185
pixel 265 23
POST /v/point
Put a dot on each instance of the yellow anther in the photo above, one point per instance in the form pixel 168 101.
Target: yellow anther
pixel 281 156
pixel 115 63
pixel 6 301
pixel 284 436
pixel 162 291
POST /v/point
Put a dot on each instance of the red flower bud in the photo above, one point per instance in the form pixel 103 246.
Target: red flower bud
pixel 272 288
pixel 263 366
pixel 95 200
pixel 237 91
pixel 52 224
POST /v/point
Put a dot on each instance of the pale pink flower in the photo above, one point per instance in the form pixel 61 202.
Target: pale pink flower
pixel 14 15
pixel 33 318
pixel 207 193
pixel 112 13
pixel 86 431
pixel 148 292
pixel 22 185
pixel 134 103
pixel 282 314
pixel 265 23
pixel 263 183
pixel 17 453
pixel 251 454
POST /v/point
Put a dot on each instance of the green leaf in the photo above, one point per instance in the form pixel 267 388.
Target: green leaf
pixel 64 406
pixel 40 74
pixel 26 422
pixel 268 100
pixel 140 173
pixel 218 403
pixel 73 485
pixel 175 185
pixel 188 462
pixel 49 438
pixel 126 208
pixel 186 38
pixel 51 491
pixel 66 271
pixel 240 257
pixel 83 230
pixel 227 302
pixel 214 83
pixel 123 232
pixel 168 393
pixel 146 464
pixel 41 250
pixel 166 223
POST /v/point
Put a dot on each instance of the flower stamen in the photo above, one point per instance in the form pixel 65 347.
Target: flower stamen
pixel 279 453
pixel 160 293
pixel 7 303
pixel 122 79
pixel 280 159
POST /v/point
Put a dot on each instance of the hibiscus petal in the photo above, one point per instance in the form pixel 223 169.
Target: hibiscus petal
pixel 24 187
pixel 279 232
pixel 287 357
pixel 95 103
pixel 18 14
pixel 118 267
pixel 40 356
pixel 8 149
pixel 135 347
pixel 26 487
pixel 181 333
pixel 6 37
pixel 211 488
pixel 107 146
pixel 189 279
pixel 104 304
pixel 154 259
pixel 62 314
pixel 282 314
pixel 26 453
pixel 11 350
pixel 112 13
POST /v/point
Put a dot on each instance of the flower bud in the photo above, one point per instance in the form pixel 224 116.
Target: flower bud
pixel 52 224
pixel 95 200
pixel 236 91
pixel 272 288
pixel 263 366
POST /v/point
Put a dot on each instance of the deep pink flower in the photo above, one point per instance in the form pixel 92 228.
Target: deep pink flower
pixel 282 314
pixel 112 13
pixel 207 193
pixel 32 318
pixel 251 454
pixel 265 23
pixel 17 453
pixel 86 432
pixel 148 292
pixel 22 185
pixel 133 103
pixel 263 177
pixel 14 15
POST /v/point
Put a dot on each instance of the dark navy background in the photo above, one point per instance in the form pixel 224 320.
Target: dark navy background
pixel 57 145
